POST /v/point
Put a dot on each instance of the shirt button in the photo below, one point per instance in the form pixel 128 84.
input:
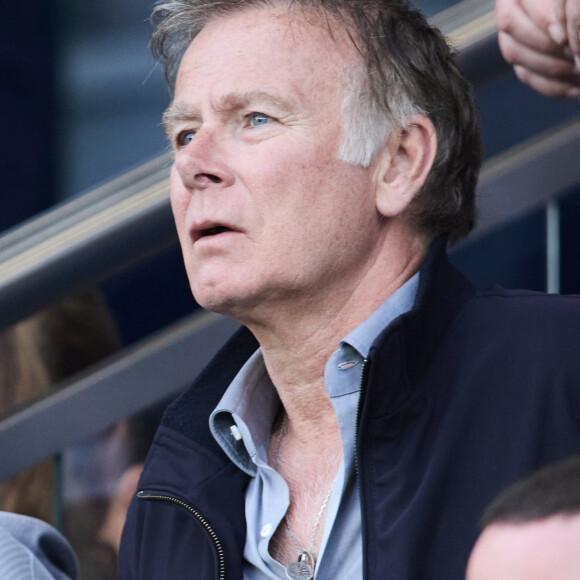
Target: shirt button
pixel 236 433
pixel 266 530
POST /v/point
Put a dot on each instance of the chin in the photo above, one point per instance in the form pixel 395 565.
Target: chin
pixel 245 307
pixel 211 302
pixel 222 300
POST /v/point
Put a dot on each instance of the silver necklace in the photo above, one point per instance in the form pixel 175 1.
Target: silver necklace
pixel 303 567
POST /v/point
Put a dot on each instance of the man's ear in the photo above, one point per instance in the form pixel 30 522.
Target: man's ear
pixel 403 165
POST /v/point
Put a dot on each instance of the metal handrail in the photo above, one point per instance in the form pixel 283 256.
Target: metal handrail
pixel 527 176
pixel 128 383
pixel 85 240
pixel 467 23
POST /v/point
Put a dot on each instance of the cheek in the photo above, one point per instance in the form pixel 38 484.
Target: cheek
pixel 179 199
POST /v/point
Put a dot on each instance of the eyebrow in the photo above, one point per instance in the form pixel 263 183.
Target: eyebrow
pixel 180 112
pixel 176 113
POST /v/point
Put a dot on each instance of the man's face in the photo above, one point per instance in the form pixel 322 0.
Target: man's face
pixel 267 214
pixel 546 549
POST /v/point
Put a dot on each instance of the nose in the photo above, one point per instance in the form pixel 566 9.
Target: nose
pixel 202 164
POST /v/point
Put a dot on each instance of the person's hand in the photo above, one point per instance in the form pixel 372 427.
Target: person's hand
pixel 568 16
pixel 534 42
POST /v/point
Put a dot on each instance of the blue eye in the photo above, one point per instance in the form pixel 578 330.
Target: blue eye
pixel 258 119
pixel 185 138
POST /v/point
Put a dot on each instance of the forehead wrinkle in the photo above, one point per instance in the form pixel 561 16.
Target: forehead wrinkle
pixel 235 100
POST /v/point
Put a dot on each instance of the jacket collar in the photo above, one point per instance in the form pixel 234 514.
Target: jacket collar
pixel 443 291
pixel 405 350
pixel 189 413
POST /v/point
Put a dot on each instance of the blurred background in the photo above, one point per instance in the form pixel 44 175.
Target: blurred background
pixel 99 327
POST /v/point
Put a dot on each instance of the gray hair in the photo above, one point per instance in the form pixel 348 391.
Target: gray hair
pixel 408 68
pixel 367 126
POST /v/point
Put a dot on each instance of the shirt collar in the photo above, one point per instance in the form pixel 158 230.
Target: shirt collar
pixel 401 301
pixel 242 421
pixel 250 400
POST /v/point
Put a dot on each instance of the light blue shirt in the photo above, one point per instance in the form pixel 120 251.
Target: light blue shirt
pixel 242 423
pixel 30 549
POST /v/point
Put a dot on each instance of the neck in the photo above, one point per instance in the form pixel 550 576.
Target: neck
pixel 306 447
pixel 297 342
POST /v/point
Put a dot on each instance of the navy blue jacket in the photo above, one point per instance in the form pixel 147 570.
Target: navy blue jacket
pixel 461 396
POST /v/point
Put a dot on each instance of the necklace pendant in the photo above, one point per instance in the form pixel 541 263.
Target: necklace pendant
pixel 303 568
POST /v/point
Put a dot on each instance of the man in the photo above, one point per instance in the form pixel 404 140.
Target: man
pixel 324 154
pixel 532 530
pixel 541 39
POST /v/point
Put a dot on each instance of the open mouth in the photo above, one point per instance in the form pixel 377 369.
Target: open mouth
pixel 214 231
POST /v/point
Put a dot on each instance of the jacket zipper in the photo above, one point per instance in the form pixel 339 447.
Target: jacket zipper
pixel 363 384
pixel 152 496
